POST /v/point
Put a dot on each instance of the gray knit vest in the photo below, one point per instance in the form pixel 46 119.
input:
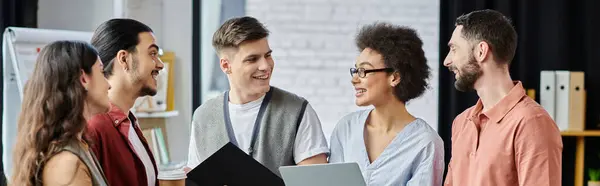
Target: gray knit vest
pixel 274 144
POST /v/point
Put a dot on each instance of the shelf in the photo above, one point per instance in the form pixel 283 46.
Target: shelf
pixel 581 133
pixel 580 152
pixel 166 114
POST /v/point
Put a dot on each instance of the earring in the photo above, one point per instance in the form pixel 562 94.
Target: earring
pixel 126 69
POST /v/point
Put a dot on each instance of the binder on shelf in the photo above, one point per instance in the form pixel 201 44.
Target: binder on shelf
pixel 577 104
pixel 164 156
pixel 154 144
pixel 148 134
pixel 562 99
pixel 548 92
pixel 157 144
pixel 569 98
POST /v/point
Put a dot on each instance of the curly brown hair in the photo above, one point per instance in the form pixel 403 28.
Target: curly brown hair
pixel 52 109
pixel 402 50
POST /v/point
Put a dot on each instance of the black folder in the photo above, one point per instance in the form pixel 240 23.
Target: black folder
pixel 232 167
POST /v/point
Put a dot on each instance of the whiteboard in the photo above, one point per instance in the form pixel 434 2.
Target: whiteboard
pixel 20 48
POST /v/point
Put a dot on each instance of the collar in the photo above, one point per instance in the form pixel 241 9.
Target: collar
pixel 507 103
pixel 117 116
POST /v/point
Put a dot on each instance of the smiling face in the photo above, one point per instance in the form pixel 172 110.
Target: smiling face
pixel 249 67
pixel 462 62
pixel 146 64
pixel 375 87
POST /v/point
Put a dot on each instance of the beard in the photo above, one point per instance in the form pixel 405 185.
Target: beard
pixel 468 74
pixel 147 91
pixel 137 79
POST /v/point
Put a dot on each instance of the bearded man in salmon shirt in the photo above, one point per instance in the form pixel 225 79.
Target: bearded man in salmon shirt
pixel 506 139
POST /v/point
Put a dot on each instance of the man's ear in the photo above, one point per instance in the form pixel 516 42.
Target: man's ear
pixel 395 79
pixel 225 65
pixel 122 58
pixel 481 51
pixel 84 79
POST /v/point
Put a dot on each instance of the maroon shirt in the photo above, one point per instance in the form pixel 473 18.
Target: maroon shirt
pixel 110 143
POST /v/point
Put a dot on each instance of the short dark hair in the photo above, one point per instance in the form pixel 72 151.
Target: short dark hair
pixel 401 49
pixel 237 30
pixel 492 27
pixel 114 35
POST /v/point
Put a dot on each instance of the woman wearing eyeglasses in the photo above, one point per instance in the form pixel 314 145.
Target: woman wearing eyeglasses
pixel 391 146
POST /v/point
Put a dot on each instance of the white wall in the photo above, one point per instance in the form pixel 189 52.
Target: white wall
pixel 177 36
pixel 80 15
pixel 151 13
pixel 313 47
pixel 210 16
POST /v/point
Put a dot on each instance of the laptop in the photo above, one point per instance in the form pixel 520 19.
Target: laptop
pixel 334 174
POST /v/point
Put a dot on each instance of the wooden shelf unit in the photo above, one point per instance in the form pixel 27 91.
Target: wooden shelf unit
pixel 165 114
pixel 580 151
pixel 581 133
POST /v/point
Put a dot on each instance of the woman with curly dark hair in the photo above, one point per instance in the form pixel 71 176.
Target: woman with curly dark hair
pixel 391 146
pixel 66 88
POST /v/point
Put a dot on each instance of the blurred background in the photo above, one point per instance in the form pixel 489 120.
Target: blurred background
pixel 313 47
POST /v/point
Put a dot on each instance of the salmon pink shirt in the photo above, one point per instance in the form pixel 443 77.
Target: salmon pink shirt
pixel 514 143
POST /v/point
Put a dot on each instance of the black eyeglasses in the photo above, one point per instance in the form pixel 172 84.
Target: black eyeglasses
pixel 363 72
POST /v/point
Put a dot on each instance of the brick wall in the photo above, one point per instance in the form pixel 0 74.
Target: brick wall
pixel 313 47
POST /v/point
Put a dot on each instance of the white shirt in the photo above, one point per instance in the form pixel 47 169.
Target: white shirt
pixel 309 142
pixel 142 154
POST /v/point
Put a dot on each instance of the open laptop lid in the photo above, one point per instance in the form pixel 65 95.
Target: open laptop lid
pixel 334 174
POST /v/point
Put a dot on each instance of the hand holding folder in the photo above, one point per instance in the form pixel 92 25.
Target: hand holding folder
pixel 231 166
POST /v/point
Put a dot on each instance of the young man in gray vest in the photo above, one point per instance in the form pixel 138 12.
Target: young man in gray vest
pixel 274 126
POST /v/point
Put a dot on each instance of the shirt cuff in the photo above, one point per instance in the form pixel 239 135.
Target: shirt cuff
pixel 311 153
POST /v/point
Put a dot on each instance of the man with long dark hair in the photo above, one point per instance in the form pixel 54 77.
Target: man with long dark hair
pixel 131 63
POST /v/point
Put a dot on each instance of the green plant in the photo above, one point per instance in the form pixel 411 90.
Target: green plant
pixel 594 174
